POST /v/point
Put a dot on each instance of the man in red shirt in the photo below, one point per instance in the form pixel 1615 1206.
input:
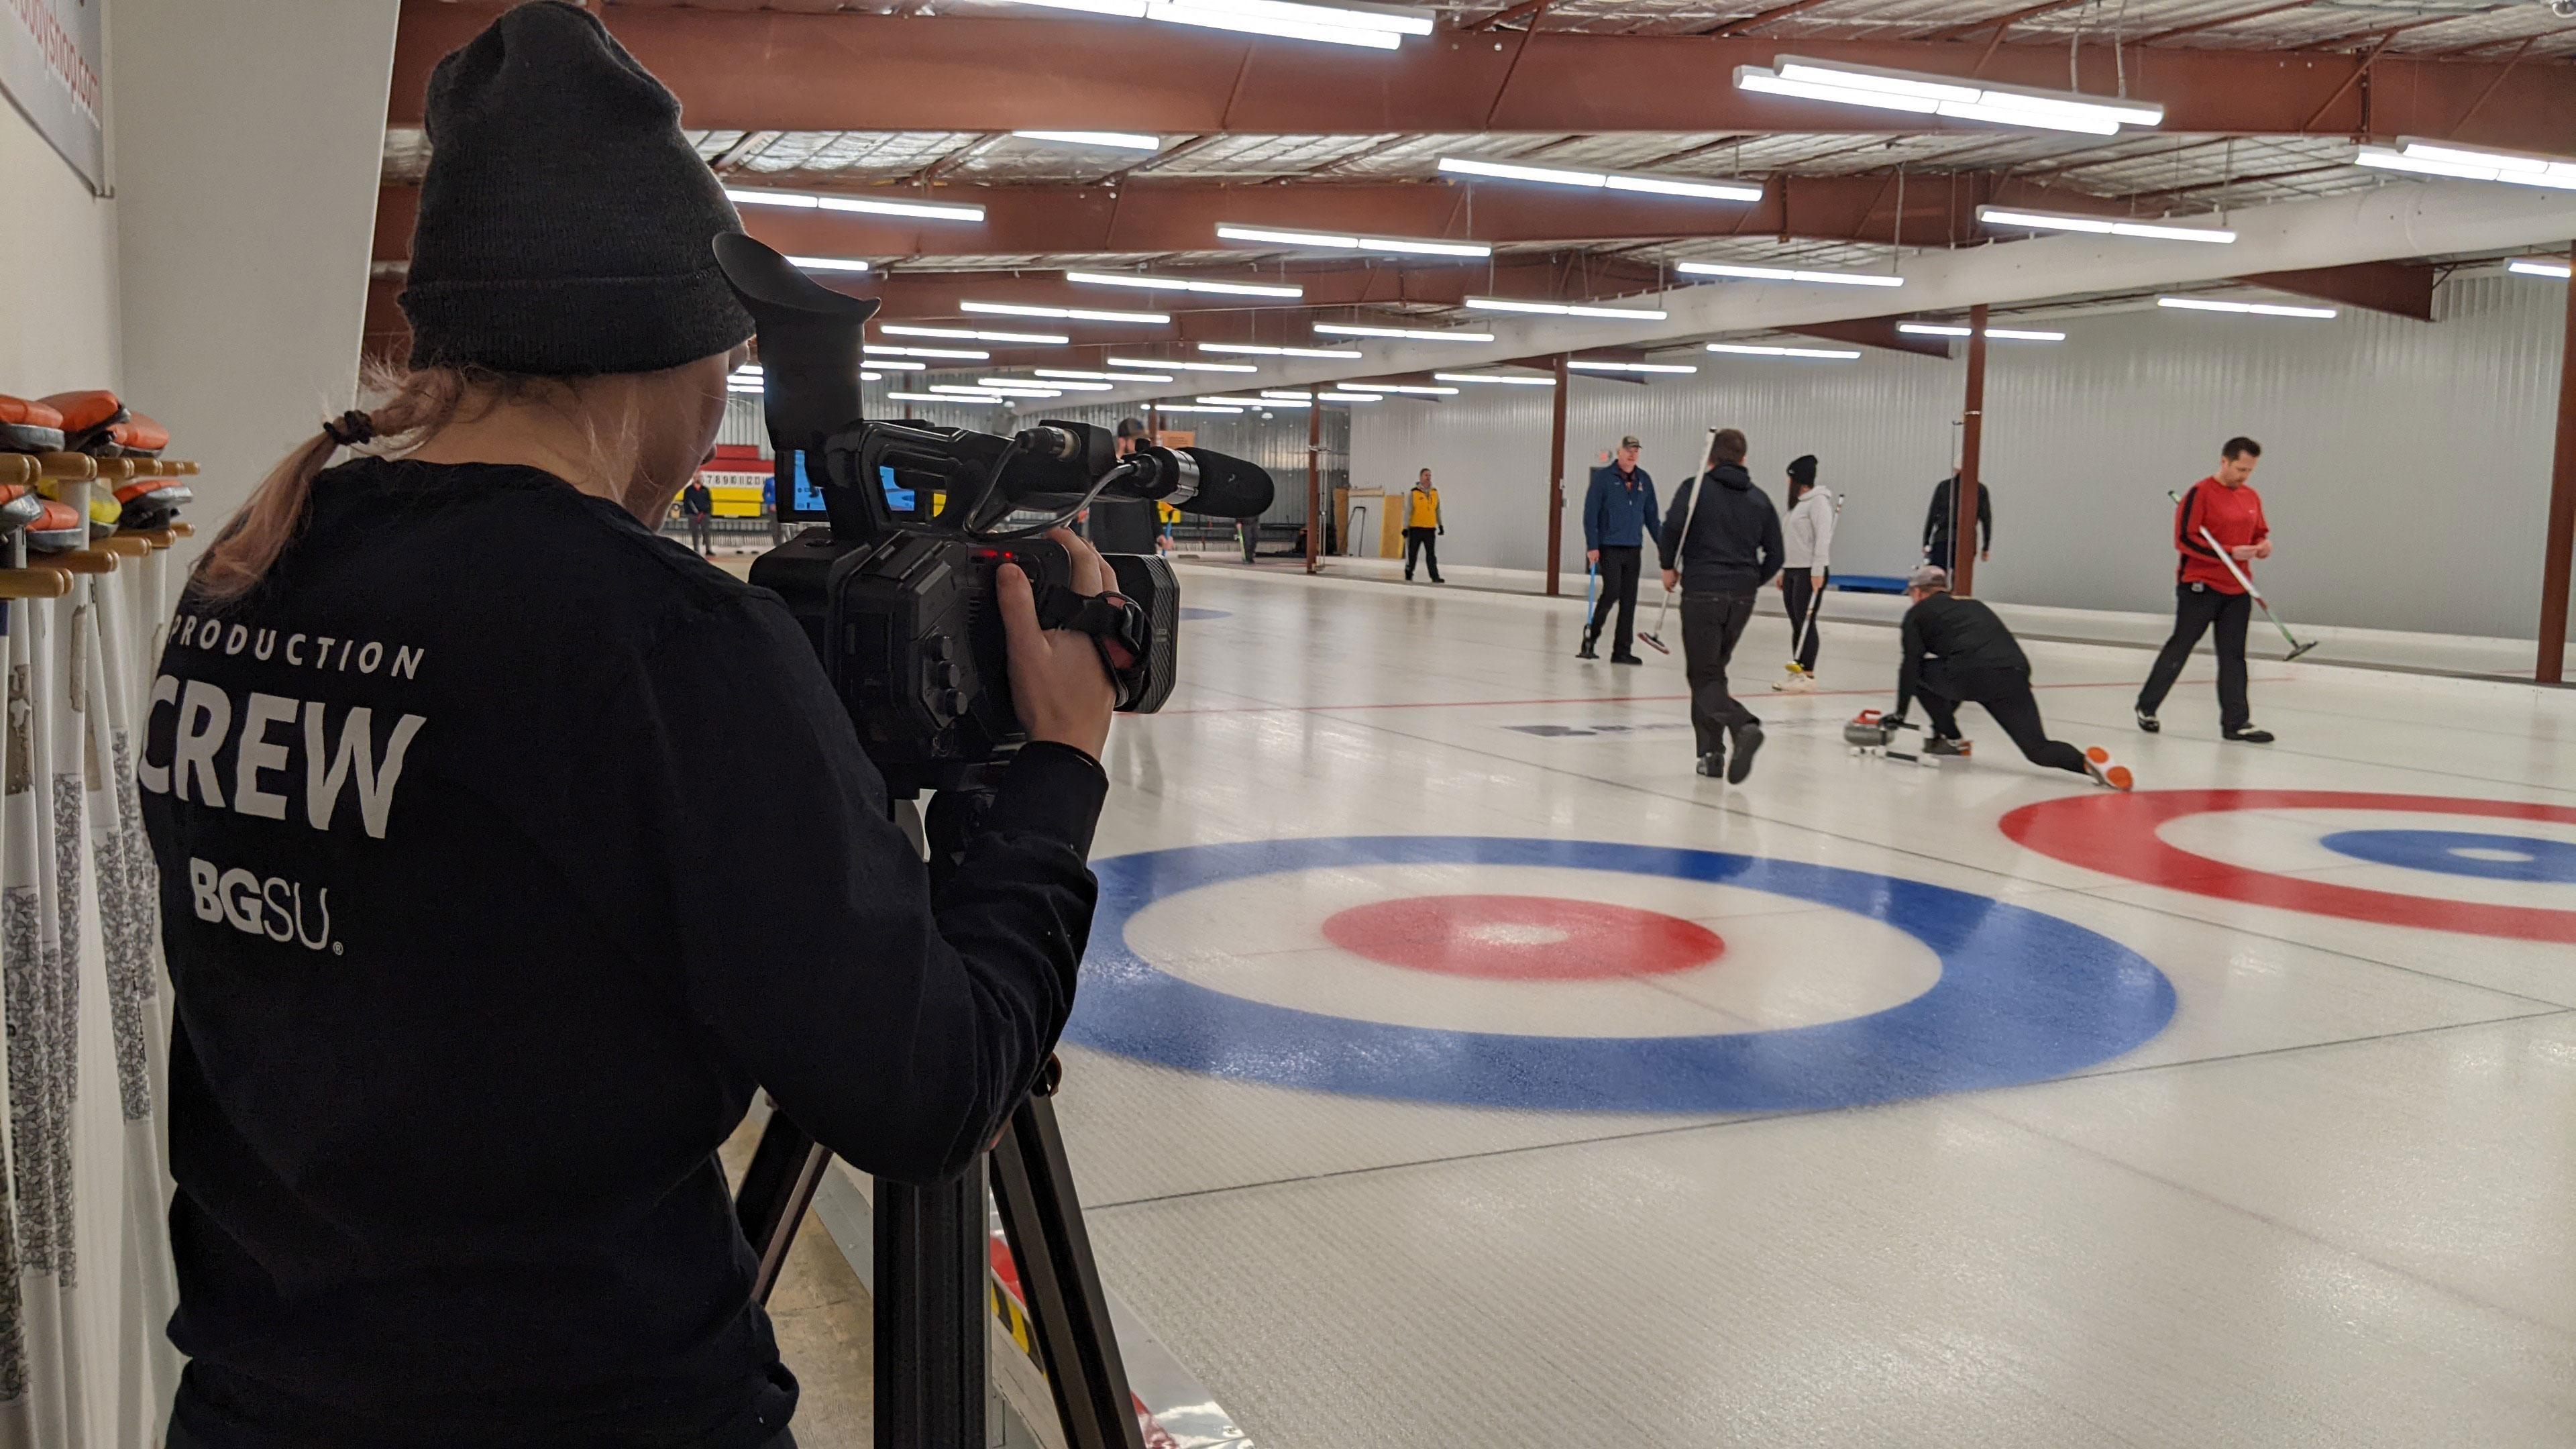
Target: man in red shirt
pixel 2226 507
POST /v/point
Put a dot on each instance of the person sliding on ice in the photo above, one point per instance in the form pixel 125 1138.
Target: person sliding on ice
pixel 1954 651
pixel 1618 517
pixel 1724 535
pixel 1940 523
pixel 2227 507
pixel 1808 537
pixel 1422 527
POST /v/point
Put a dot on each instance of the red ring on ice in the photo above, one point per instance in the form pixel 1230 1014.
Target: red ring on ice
pixel 2117 834
pixel 1522 938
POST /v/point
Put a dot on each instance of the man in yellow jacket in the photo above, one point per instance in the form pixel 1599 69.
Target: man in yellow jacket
pixel 1421 526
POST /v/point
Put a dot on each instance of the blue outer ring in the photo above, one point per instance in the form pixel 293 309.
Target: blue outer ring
pixel 2551 862
pixel 2022 997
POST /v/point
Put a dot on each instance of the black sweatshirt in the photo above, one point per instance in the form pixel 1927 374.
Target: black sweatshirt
pixel 1734 534
pixel 1940 522
pixel 504 848
pixel 1963 634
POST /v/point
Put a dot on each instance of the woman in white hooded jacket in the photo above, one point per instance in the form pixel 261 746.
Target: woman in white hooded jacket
pixel 1807 535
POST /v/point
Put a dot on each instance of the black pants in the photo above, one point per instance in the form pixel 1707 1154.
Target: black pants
pixel 2196 607
pixel 699 531
pixel 1711 625
pixel 1426 543
pixel 2006 695
pixel 1804 597
pixel 1618 570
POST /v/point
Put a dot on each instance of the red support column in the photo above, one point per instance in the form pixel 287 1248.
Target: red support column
pixel 1556 476
pixel 2561 541
pixel 1314 485
pixel 1972 437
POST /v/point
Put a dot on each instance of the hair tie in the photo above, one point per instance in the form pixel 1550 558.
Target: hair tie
pixel 352 428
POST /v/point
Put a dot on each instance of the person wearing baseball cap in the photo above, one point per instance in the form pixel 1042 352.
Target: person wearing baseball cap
pixel 1618 517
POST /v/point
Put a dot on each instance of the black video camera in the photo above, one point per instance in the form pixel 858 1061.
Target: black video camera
pixel 897 592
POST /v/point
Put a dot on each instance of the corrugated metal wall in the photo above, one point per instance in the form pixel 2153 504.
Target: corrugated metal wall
pixel 1277 443
pixel 2406 464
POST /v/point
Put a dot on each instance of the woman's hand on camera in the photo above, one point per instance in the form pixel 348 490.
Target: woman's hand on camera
pixel 1060 686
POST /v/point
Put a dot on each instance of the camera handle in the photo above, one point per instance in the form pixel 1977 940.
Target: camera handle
pixel 932 1267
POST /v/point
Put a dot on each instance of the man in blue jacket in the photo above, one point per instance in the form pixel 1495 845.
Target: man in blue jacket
pixel 1618 517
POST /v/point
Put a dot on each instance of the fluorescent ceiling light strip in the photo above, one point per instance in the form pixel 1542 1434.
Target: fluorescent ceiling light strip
pixel 963 391
pixel 826 264
pixel 1788 274
pixel 2101 225
pixel 1192 408
pixel 2471 163
pixel 969 334
pixel 872 377
pixel 2532 268
pixel 1585 365
pixel 1111 140
pixel 2007 334
pixel 1349 397
pixel 1763 80
pixel 1283 29
pixel 1410 334
pixel 1337 241
pixel 942 397
pixel 1600 180
pixel 2044 120
pixel 1259 402
pixel 1392 19
pixel 1496 377
pixel 872 206
pixel 752 387
pixel 1865 85
pixel 1147 363
pixel 897 364
pixel 1054 385
pixel 1758 349
pixel 1565 309
pixel 1255 349
pixel 2256 309
pixel 1183 284
pixel 953 354
pixel 1100 376
pixel 1412 389
pixel 1070 314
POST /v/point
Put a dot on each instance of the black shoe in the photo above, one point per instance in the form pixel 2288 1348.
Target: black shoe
pixel 1747 740
pixel 1408 578
pixel 1626 659
pixel 1946 748
pixel 1713 766
pixel 2150 723
pixel 2250 736
pixel 1435 578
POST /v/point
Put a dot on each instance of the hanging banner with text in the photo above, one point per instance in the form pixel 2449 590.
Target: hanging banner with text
pixel 49 69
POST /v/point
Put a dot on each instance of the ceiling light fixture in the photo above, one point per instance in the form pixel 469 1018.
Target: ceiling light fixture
pixel 2255 309
pixel 2532 267
pixel 897 364
pixel 1349 397
pixel 866 205
pixel 1378 27
pixel 1069 314
pixel 1108 140
pixel 1764 349
pixel 951 354
pixel 1193 408
pixel 2471 163
pixel 1584 364
pixel 941 397
pixel 1505 378
pixel 1266 400
pixel 1057 385
pixel 1337 241
pixel 960 390
pixel 969 334
pixel 827 264
pixel 1409 334
pixel 1254 349
pixel 2101 225
pixel 1604 180
pixel 1067 372
pixel 1145 283
pixel 872 377
pixel 1566 309
pixel 1788 274
pixel 1412 389
pixel 2002 334
pixel 1932 95
pixel 1149 363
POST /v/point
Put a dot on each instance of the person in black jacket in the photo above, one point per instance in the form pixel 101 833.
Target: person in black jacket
pixel 1720 545
pixel 1954 651
pixel 475 962
pixel 1941 523
pixel 698 506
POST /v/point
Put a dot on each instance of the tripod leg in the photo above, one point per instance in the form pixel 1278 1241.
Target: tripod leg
pixel 932 1267
pixel 1033 1186
pixel 776 1189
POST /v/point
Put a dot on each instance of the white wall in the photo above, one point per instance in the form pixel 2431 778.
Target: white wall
pixel 58 327
pixel 248 139
pixel 2406 467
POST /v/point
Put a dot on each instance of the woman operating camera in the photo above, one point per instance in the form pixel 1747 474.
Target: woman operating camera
pixel 506 848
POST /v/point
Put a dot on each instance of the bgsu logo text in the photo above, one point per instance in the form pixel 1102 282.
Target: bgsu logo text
pixel 274 907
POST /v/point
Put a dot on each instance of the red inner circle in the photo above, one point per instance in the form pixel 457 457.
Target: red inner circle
pixel 1522 938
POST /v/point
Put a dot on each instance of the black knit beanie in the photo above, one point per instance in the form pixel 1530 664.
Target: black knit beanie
pixel 1802 469
pixel 564 221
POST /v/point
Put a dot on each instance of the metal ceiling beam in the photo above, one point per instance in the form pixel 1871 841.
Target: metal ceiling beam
pixel 2402 289
pixel 2001 22
pixel 1875 332
pixel 768 70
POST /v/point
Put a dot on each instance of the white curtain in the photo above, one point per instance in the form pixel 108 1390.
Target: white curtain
pixel 85 1277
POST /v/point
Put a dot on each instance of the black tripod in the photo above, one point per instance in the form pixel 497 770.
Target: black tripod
pixel 932 1267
